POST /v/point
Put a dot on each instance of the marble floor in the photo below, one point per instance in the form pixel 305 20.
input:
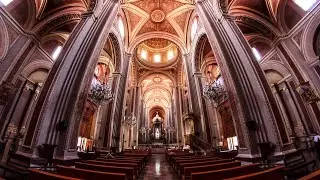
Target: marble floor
pixel 158 169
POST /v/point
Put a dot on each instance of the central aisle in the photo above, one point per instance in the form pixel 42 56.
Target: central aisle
pixel 158 168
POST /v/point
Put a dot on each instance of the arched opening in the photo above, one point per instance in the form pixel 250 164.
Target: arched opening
pixel 38 76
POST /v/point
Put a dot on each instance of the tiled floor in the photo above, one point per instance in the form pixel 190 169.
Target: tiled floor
pixel 158 169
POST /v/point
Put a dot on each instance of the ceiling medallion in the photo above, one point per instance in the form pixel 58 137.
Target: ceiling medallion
pixel 157 79
pixel 157 16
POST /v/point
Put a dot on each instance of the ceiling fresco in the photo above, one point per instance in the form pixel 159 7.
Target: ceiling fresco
pixel 148 16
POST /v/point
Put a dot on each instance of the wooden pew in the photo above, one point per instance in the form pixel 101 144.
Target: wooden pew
pixel 296 164
pixel 114 169
pixel 118 164
pixel 142 159
pixel 226 173
pixel 188 170
pixel 182 166
pixel 276 173
pixel 139 162
pixel 88 174
pixel 313 176
pixel 178 162
pixel 36 174
pixel 175 162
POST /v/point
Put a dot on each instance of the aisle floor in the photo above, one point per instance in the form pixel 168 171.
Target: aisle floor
pixel 158 169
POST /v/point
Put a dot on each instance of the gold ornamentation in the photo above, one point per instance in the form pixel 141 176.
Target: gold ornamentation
pixel 307 93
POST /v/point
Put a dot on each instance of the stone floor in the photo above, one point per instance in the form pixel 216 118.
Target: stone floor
pixel 158 169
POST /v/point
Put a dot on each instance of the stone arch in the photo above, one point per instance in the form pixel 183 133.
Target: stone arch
pixel 116 51
pixel 33 66
pixel 276 66
pixel 51 41
pixel 4 36
pixel 199 45
pixel 308 36
pixel 316 42
pixel 155 72
pixel 261 43
pixel 139 39
pixel 58 19
pixel 273 76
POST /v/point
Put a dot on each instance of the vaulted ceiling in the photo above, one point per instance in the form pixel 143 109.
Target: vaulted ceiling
pixel 150 16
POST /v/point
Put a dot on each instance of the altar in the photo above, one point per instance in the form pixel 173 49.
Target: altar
pixel 157 136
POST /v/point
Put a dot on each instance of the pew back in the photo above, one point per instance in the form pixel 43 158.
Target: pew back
pixel 36 174
pixel 313 176
pixel 276 173
pixel 129 171
pixel 88 174
pixel 189 170
pixel 226 173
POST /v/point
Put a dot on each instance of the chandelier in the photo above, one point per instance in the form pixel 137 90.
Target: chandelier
pixel 130 120
pixel 100 93
pixel 215 92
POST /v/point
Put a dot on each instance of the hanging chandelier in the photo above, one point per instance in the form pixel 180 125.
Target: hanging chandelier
pixel 215 92
pixel 130 120
pixel 100 93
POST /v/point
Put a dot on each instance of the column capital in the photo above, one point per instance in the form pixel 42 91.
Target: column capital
pixel 116 74
pixel 197 74
pixel 186 55
pixel 128 54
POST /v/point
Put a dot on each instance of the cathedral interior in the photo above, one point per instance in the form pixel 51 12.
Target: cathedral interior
pixel 164 89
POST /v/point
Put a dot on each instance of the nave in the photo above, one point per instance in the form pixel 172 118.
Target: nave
pixel 154 81
pixel 172 165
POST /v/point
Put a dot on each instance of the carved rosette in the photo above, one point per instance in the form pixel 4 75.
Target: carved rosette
pixel 157 16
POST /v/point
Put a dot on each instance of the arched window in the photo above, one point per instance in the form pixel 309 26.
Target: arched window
pixel 157 58
pixel 5 2
pixel 305 4
pixel 170 54
pixel 194 28
pixel 56 52
pixel 121 27
pixel 143 54
pixel 256 53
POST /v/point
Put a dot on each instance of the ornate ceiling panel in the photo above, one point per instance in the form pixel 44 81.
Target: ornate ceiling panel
pixel 257 7
pixel 157 43
pixel 148 16
pixel 48 7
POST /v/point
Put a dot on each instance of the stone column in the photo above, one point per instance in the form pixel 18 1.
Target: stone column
pixel 65 90
pixel 254 108
pixel 302 72
pixel 117 111
pixel 284 110
pixel 193 91
pixel 179 120
pixel 204 120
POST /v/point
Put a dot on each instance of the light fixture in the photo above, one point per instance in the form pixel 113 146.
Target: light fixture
pixel 214 92
pixel 157 58
pixel 56 52
pixel 100 93
pixel 130 120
